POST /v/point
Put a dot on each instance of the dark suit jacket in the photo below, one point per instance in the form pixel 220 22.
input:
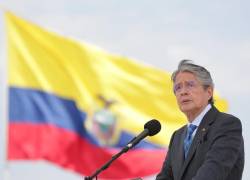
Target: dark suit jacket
pixel 216 153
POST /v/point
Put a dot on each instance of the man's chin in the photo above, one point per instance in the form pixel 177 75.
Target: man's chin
pixel 185 109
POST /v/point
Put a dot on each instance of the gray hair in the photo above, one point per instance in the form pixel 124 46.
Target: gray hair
pixel 200 72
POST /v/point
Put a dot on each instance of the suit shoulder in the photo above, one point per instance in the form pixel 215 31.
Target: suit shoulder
pixel 228 118
pixel 223 115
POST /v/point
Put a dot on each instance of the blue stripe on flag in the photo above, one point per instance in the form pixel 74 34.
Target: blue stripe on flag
pixel 36 106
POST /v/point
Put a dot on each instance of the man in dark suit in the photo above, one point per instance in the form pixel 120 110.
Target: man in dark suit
pixel 210 146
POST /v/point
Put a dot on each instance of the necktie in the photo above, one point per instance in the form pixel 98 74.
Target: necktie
pixel 188 138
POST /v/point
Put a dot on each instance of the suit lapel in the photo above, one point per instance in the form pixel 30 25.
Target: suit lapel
pixel 199 137
pixel 180 151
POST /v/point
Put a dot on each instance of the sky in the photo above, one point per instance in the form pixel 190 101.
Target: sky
pixel 214 34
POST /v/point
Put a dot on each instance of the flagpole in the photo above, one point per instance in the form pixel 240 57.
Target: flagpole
pixel 5 175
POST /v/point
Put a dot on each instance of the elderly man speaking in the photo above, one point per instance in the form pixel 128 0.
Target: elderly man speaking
pixel 210 146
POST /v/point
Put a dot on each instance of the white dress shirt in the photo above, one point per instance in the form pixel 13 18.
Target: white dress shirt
pixel 198 119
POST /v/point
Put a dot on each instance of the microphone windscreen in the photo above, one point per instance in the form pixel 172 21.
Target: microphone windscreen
pixel 153 127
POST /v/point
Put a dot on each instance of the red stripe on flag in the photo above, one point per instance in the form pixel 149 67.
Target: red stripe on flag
pixel 67 149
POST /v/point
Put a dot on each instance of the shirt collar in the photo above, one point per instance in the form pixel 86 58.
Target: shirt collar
pixel 198 119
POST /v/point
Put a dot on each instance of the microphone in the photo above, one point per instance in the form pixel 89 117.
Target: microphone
pixel 151 128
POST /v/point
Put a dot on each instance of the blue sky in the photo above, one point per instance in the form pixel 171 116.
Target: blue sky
pixel 213 33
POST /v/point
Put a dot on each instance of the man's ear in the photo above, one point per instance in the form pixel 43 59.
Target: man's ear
pixel 210 92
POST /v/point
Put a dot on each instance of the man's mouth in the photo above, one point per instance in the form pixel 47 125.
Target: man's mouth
pixel 185 101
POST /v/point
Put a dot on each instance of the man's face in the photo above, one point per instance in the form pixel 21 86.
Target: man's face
pixel 191 96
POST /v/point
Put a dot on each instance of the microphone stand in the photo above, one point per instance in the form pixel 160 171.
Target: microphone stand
pixel 106 165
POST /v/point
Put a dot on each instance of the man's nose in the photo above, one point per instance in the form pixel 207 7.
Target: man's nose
pixel 184 90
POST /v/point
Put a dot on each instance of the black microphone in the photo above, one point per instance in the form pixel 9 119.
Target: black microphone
pixel 151 128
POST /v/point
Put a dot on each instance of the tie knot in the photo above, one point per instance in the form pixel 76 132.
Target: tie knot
pixel 191 128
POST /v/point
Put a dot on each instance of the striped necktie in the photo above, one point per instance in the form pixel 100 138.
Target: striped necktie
pixel 188 138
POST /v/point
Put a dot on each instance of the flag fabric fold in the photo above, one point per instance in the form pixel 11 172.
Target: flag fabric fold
pixel 76 105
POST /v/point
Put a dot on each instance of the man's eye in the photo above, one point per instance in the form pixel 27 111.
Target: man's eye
pixel 177 88
pixel 190 84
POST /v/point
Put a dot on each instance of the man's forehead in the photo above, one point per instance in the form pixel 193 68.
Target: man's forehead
pixel 185 76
